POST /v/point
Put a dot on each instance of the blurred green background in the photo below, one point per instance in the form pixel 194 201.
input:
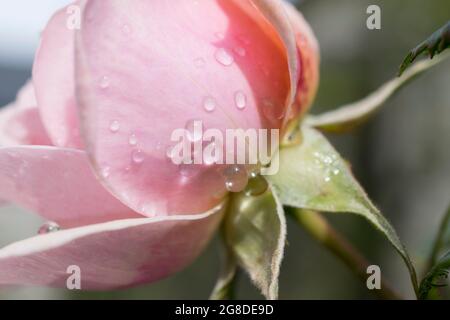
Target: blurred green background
pixel 402 157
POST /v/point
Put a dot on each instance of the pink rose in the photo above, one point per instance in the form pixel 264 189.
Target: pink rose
pixel 89 152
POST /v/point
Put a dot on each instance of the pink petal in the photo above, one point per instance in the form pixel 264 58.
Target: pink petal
pixel 309 52
pixel 53 77
pixel 58 184
pixel 20 123
pixel 22 127
pixel 113 255
pixel 275 14
pixel 145 69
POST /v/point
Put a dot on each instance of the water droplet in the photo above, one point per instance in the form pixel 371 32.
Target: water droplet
pixel 195 130
pixel 236 178
pixel 209 104
pixel 272 111
pixel 199 62
pixel 114 126
pixel 106 172
pixel 257 185
pixel 104 82
pixel 224 57
pixel 187 170
pixel 170 153
pixel 49 227
pixel 241 100
pixel 133 141
pixel 240 51
pixel 138 156
pixel 210 158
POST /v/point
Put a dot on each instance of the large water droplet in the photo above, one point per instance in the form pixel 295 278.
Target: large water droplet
pixel 49 227
pixel 224 57
pixel 138 156
pixel 209 104
pixel 257 185
pixel 104 82
pixel 114 127
pixel 236 178
pixel 240 99
pixel 133 140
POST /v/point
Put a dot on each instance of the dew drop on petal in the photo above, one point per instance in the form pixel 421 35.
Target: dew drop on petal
pixel 257 185
pixel 209 104
pixel 106 172
pixel 49 227
pixel 187 170
pixel 138 156
pixel 236 178
pixel 104 82
pixel 133 141
pixel 114 126
pixel 241 100
pixel 224 57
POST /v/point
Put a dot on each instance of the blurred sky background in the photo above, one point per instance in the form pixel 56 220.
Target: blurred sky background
pixel 402 157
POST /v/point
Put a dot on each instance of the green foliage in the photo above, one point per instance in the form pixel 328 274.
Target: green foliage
pixel 255 232
pixel 224 288
pixel 350 116
pixel 313 176
pixel 429 283
pixel 435 44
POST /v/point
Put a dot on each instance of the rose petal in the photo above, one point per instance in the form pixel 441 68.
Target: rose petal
pixel 309 52
pixel 275 13
pixel 22 127
pixel 20 123
pixel 146 69
pixel 58 184
pixel 53 77
pixel 113 255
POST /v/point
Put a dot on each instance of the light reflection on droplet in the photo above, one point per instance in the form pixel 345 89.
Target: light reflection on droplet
pixel 209 104
pixel 114 127
pixel 49 227
pixel 138 156
pixel 224 57
pixel 240 99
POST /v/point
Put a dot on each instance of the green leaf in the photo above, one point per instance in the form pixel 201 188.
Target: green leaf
pixel 429 283
pixel 224 287
pixel 255 230
pixel 440 241
pixel 348 117
pixel 435 44
pixel 313 176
